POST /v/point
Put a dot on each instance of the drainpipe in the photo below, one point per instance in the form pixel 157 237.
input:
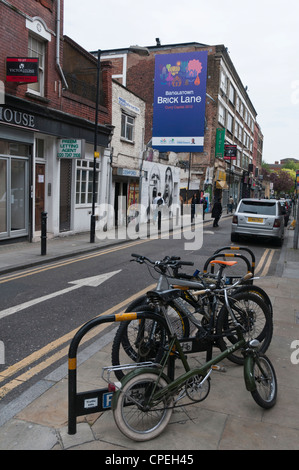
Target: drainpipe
pixel 58 46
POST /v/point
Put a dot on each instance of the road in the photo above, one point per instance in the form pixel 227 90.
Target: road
pixel 42 308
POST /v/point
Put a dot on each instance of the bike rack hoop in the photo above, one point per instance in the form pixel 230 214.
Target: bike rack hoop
pixel 93 401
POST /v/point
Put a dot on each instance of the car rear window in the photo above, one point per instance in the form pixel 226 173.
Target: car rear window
pixel 257 207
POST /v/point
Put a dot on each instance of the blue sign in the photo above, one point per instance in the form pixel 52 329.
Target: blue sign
pixel 179 101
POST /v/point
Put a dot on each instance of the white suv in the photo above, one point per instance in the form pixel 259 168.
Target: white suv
pixel 258 217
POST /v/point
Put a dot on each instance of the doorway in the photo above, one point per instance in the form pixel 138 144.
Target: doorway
pixel 39 193
pixel 14 204
pixel 65 195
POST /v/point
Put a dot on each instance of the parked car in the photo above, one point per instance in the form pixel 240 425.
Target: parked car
pixel 285 210
pixel 259 218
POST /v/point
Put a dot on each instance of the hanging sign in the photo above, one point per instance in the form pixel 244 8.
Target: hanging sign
pixel 22 70
pixel 230 152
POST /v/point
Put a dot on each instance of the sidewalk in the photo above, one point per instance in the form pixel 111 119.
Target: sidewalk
pixel 228 418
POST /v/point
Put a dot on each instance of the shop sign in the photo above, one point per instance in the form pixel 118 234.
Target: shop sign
pixel 127 172
pixel 18 118
pixel 70 148
pixel 220 139
pixel 22 70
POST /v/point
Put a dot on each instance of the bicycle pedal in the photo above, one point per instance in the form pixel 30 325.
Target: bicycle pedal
pixel 219 368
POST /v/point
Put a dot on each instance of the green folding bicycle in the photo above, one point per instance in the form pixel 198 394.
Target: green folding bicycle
pixel 143 403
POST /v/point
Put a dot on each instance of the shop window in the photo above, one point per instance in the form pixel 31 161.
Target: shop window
pixel 84 181
pixel 37 48
pixel 127 127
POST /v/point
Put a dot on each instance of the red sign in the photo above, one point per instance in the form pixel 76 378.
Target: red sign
pixel 230 152
pixel 22 70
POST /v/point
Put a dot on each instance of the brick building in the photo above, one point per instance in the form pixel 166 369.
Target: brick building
pixel 228 107
pixel 47 122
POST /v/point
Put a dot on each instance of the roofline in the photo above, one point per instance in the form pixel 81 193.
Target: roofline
pixel 126 50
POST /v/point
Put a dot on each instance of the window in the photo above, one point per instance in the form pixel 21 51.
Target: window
pixel 36 48
pixel 240 133
pixel 231 94
pixel 40 148
pixel 127 127
pixel 229 123
pixel 221 114
pixel 223 83
pixel 84 181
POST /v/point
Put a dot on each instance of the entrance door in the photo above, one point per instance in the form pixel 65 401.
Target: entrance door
pixel 39 193
pixel 65 195
pixel 18 195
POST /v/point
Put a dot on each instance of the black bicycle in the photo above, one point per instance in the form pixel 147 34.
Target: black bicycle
pixel 200 308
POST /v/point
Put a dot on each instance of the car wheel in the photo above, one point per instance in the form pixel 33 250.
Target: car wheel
pixel 234 237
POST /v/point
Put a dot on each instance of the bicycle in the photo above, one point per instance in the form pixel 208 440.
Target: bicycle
pixel 141 340
pixel 142 405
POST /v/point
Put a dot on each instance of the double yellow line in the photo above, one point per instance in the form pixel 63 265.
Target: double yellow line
pixel 264 264
pixel 49 348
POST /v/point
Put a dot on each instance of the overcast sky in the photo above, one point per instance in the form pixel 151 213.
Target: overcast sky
pixel 262 37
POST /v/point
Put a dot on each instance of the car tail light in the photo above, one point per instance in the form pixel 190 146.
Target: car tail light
pixel 276 223
pixel 235 219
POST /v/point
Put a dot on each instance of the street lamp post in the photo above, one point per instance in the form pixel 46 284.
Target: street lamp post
pixel 95 154
pixel 142 51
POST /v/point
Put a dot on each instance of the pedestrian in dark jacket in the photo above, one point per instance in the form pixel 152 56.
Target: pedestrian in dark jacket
pixel 216 212
pixel 194 201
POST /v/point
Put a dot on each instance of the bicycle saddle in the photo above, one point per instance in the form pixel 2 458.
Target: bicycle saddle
pixel 224 263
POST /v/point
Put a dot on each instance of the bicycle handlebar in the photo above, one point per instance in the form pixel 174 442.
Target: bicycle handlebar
pixel 173 261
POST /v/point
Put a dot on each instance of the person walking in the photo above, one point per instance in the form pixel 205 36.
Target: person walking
pixel 194 202
pixel 158 203
pixel 205 205
pixel 216 212
pixel 230 204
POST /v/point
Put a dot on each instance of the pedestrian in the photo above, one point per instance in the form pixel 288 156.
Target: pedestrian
pixel 216 212
pixel 204 207
pixel 194 202
pixel 158 204
pixel 230 204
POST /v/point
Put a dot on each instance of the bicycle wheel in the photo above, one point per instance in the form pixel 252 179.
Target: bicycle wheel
pixel 139 340
pixel 175 313
pixel 136 415
pixel 253 314
pixel 144 340
pixel 265 379
pixel 253 289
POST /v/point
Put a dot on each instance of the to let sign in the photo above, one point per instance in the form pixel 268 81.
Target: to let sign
pixel 70 148
pixel 22 69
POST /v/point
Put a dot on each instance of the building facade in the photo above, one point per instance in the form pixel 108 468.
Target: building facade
pixel 47 129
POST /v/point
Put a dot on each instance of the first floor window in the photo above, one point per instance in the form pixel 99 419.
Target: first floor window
pixel 84 181
pixel 37 48
pixel 127 127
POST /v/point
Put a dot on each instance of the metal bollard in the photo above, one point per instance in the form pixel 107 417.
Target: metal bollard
pixel 43 237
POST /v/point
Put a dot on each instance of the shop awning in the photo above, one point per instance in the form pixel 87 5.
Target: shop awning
pixel 221 185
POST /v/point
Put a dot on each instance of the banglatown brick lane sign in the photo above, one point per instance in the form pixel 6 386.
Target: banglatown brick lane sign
pixel 70 148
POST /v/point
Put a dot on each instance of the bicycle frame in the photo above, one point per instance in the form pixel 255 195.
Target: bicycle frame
pixel 203 371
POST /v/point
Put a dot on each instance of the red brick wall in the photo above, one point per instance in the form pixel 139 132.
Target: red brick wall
pixel 14 43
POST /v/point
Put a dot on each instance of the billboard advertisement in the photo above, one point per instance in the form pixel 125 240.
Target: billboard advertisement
pixel 179 101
